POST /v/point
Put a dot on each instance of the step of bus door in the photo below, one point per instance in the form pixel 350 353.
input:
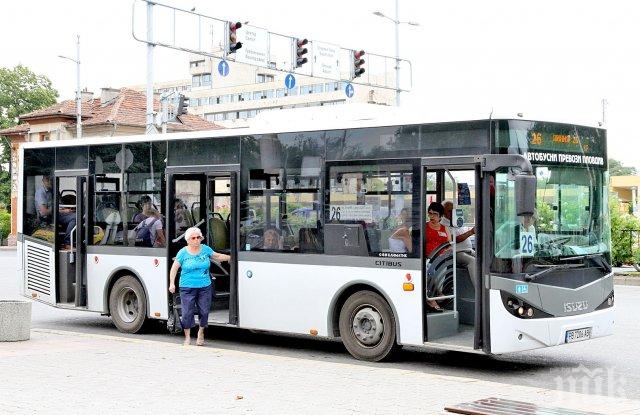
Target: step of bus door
pixel 442 324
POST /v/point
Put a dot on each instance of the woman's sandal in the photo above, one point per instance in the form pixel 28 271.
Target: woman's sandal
pixel 434 309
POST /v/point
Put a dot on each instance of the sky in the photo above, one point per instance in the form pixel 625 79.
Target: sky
pixel 543 58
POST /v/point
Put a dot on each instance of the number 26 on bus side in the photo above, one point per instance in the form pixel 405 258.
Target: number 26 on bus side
pixel 335 212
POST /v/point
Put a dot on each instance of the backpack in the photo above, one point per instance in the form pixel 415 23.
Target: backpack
pixel 143 233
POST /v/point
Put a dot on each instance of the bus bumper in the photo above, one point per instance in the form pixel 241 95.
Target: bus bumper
pixel 512 334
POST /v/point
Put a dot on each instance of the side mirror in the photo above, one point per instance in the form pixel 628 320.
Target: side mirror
pixel 525 188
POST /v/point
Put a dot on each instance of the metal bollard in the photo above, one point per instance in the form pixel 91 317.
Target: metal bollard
pixel 15 320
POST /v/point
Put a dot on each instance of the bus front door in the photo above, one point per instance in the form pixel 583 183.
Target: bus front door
pixel 450 269
pixel 208 200
pixel 70 233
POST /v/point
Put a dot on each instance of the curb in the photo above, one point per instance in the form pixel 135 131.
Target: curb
pixel 624 280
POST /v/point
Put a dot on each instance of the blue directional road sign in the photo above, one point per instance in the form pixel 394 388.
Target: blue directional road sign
pixel 223 68
pixel 290 81
pixel 348 90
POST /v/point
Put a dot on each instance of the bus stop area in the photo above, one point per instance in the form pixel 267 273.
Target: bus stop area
pixel 63 372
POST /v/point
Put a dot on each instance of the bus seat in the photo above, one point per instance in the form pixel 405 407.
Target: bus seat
pixel 308 240
pixel 218 233
pixel 112 220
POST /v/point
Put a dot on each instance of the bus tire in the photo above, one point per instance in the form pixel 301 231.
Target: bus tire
pixel 128 304
pixel 367 326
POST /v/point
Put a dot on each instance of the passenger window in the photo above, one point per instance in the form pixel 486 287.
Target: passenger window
pixel 465 193
pixel 371 211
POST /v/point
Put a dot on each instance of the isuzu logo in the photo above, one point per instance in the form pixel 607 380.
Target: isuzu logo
pixel 575 306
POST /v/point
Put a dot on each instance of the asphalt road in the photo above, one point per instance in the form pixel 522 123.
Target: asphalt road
pixel 606 366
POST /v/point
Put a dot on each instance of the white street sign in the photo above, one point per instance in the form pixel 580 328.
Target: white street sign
pixel 325 60
pixel 255 46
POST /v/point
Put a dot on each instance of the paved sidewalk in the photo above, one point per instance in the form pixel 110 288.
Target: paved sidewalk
pixel 59 372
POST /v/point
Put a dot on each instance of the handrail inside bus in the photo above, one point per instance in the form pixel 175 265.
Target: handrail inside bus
pixel 182 235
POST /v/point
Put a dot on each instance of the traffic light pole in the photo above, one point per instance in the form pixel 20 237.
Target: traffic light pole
pixel 150 128
pixel 397 23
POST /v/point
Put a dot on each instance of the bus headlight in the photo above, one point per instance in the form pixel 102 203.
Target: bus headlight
pixel 521 309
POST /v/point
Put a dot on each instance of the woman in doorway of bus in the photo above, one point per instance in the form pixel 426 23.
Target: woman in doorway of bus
pixel 195 283
pixel 436 235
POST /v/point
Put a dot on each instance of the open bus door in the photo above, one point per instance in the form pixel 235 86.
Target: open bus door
pixel 70 237
pixel 206 197
pixel 450 278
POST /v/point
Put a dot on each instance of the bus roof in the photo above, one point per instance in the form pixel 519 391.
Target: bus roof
pixel 304 119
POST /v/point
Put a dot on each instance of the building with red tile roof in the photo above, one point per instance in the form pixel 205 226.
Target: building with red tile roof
pixel 116 112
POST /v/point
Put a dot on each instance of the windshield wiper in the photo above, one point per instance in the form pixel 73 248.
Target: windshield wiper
pixel 598 258
pixel 548 268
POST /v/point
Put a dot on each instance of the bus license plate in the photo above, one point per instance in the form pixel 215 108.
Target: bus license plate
pixel 577 335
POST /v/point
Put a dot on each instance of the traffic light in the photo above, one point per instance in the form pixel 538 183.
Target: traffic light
pixel 233 38
pixel 357 63
pixel 300 52
pixel 183 104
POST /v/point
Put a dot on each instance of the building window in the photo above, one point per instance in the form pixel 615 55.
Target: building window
pixel 206 79
pixel 243 115
pixel 195 80
pixel 212 100
pixel 262 78
pixel 318 88
pixel 268 93
pixel 219 116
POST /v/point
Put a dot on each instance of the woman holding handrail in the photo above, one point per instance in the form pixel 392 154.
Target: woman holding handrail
pixel 196 290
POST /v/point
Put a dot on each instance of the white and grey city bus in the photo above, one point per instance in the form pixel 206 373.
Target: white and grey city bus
pixel 333 197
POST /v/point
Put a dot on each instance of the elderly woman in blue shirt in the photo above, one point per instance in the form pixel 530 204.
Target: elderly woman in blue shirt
pixel 195 282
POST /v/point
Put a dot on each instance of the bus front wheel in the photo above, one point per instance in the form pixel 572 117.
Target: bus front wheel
pixel 367 326
pixel 128 304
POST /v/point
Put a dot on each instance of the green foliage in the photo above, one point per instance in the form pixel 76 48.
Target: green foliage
pixel 5 189
pixel 617 169
pixel 622 249
pixel 5 224
pixel 21 91
pixel 546 216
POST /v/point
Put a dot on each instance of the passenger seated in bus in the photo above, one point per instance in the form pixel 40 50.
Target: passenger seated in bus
pixel 142 204
pixel 465 255
pixel 150 231
pixel 67 218
pixel 400 240
pixel 271 239
pixel 182 216
pixel 436 234
pixel 43 201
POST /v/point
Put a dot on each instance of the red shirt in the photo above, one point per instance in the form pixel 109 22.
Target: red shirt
pixel 435 238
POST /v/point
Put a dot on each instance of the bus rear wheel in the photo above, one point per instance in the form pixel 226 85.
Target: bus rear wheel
pixel 128 305
pixel 367 326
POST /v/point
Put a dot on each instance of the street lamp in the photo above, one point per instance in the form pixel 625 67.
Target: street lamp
pixel 78 93
pixel 397 23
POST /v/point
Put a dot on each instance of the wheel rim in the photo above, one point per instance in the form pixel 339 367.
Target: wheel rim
pixel 367 325
pixel 127 305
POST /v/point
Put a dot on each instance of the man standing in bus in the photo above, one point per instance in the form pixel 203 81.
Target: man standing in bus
pixel 44 201
pixel 465 254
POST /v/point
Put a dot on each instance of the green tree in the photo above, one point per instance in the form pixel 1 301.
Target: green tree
pixel 617 169
pixel 21 91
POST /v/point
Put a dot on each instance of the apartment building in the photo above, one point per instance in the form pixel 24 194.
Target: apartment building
pixel 232 100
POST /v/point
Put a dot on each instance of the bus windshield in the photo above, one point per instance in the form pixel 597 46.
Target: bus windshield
pixel 571 220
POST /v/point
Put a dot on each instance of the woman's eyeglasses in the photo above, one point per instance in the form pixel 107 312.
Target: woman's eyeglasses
pixel 194 238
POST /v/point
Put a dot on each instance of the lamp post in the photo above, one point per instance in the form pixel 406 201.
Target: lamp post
pixel 78 92
pixel 397 23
